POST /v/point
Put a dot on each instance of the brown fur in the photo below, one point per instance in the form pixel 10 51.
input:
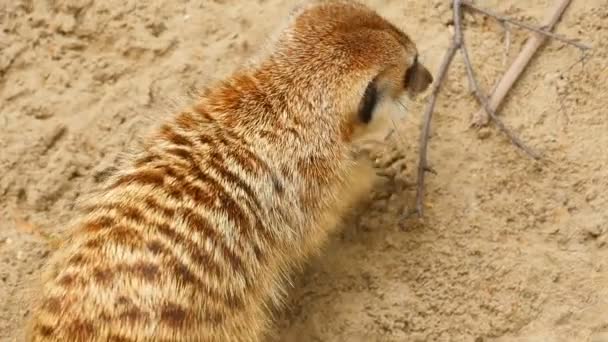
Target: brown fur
pixel 194 239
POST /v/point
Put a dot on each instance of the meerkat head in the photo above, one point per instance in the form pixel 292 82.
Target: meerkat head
pixel 352 63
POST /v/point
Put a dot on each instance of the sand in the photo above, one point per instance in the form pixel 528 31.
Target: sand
pixel 510 249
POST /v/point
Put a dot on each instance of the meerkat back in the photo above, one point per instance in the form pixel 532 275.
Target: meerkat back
pixel 194 238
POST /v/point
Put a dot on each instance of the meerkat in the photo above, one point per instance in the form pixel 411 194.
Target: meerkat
pixel 195 237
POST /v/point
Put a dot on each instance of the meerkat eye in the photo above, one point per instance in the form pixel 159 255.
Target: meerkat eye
pixel 368 102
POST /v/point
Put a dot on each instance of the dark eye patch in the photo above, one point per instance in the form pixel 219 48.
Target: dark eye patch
pixel 368 102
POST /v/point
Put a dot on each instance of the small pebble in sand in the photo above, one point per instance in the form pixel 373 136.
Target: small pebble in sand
pixel 484 133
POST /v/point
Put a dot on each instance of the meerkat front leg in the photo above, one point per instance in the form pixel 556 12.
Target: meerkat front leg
pixel 357 186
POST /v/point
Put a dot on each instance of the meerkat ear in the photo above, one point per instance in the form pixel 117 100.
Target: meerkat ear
pixel 368 102
pixel 417 78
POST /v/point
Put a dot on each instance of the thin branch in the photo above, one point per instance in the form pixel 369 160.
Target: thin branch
pixel 505 57
pixel 426 128
pixel 479 94
pixel 529 27
pixel 481 118
pixel 423 166
pixel 501 88
pixel 483 100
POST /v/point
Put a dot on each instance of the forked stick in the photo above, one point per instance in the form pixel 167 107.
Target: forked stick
pixel 489 106
pixel 479 94
pixel 481 118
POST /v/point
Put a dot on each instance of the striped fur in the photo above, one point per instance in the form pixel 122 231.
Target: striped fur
pixel 194 239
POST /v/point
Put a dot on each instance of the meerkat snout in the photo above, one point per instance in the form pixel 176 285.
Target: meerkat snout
pixel 417 78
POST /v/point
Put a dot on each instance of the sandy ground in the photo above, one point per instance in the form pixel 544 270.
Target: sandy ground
pixel 510 250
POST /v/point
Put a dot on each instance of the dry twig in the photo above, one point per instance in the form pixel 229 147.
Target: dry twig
pixel 479 94
pixel 545 28
pixel 426 128
pixel 481 118
pixel 505 57
pixel 489 106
